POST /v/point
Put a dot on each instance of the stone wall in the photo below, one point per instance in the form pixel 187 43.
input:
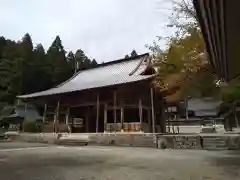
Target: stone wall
pixel 140 140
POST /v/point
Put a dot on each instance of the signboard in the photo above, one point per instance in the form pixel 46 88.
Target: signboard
pixel 77 122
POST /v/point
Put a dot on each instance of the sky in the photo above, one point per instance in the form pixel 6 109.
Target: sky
pixel 104 29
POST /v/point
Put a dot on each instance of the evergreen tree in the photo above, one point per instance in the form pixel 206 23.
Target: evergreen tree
pixel 133 53
pixel 94 63
pixel 127 56
pixel 71 61
pixel 60 67
pixel 83 62
pixel 24 69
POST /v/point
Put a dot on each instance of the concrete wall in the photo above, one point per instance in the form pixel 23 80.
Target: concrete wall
pixel 194 141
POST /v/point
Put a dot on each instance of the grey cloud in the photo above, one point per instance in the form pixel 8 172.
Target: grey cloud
pixel 106 29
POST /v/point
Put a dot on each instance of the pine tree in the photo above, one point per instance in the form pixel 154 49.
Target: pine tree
pixel 133 53
pixel 94 63
pixel 72 62
pixel 60 67
pixel 127 56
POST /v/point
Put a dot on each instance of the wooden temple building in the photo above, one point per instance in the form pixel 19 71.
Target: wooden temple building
pixel 117 96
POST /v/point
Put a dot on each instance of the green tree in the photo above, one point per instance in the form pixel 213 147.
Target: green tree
pixel 60 67
pixel 127 56
pixel 133 53
pixel 83 62
pixel 71 61
pixel 94 63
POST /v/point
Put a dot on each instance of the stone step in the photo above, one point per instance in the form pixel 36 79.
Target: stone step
pixel 69 141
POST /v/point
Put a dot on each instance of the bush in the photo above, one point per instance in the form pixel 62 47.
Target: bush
pixel 29 125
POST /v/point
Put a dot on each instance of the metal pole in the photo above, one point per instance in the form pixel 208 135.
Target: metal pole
pixel 97 119
pixel 153 113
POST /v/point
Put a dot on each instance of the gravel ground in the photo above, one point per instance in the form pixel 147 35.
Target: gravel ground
pixel 23 161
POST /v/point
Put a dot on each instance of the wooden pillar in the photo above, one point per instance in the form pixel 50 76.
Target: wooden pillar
pixel 153 113
pixel 186 107
pixel 97 118
pixel 25 108
pixel 20 126
pixel 67 120
pixel 87 120
pixel 140 113
pixel 122 117
pixel 67 116
pixel 56 116
pixel 149 120
pixel 235 115
pixel 44 113
pixel 105 117
pixel 114 110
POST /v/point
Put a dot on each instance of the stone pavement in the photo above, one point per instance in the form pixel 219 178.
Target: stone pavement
pixel 23 161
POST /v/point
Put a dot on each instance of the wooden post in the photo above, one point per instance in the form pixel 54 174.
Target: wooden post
pixel 186 107
pixel 25 108
pixel 97 119
pixel 87 120
pixel 140 113
pixel 122 117
pixel 25 115
pixel 56 120
pixel 44 113
pixel 114 110
pixel 67 116
pixel 153 113
pixel 149 120
pixel 105 117
pixel 235 115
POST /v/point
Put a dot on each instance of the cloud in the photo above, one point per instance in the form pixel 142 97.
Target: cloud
pixel 106 29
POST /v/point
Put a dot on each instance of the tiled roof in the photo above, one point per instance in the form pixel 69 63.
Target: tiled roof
pixel 204 106
pixel 108 74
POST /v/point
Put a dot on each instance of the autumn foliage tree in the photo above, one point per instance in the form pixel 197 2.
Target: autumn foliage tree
pixel 183 64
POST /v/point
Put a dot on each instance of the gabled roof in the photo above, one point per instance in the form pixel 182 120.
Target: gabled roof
pixel 204 106
pixel 20 111
pixel 107 74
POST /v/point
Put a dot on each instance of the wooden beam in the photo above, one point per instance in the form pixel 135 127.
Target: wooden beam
pixel 153 113
pixel 44 113
pixel 105 117
pixel 114 110
pixel 128 106
pixel 97 118
pixel 140 113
